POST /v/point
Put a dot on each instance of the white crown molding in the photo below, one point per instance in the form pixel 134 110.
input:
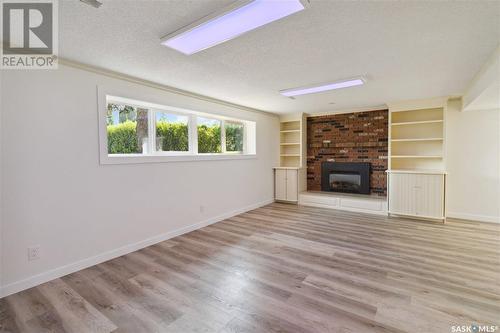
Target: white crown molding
pixel 151 84
pixel 428 103
pixel 334 112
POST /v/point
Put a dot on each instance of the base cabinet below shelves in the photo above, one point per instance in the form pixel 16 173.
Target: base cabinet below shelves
pixel 286 184
pixel 417 194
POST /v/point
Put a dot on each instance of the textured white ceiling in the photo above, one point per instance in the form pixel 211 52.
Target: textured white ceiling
pixel 407 49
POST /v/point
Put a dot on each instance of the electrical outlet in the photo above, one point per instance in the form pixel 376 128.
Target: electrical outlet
pixel 202 209
pixel 33 253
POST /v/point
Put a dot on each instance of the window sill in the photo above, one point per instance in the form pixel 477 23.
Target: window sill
pixel 136 159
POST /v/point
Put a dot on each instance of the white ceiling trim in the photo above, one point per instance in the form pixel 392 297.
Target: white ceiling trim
pixel 136 80
pixel 483 92
pixel 364 109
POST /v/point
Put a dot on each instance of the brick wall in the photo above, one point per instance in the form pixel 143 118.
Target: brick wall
pixel 348 137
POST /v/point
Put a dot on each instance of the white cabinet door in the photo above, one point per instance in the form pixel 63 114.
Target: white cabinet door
pixel 291 185
pixel 401 193
pixel 430 196
pixel 280 184
pixel 416 194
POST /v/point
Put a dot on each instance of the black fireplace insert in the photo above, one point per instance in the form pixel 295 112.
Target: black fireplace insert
pixel 347 177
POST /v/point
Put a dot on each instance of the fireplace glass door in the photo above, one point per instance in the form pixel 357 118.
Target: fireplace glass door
pixel 345 182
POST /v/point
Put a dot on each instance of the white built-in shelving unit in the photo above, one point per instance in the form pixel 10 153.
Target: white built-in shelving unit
pixel 291 142
pixel 417 138
pixel 417 164
pixel 290 175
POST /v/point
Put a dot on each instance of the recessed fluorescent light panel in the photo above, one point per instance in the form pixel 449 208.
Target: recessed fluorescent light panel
pixel 324 87
pixel 93 3
pixel 233 21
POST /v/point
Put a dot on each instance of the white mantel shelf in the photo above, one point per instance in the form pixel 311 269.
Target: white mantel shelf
pixel 288 168
pixel 426 172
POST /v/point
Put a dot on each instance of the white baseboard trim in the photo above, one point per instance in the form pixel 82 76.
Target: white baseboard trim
pixel 58 272
pixel 473 217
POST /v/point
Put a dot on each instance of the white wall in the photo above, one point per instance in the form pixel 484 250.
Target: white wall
pixel 472 162
pixel 79 212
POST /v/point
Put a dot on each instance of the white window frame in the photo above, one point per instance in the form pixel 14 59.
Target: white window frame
pixel 152 156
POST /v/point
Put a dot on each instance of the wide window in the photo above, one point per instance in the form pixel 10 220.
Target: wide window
pixel 139 132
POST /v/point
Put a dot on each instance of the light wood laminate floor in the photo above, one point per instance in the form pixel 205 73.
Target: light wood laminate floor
pixel 281 268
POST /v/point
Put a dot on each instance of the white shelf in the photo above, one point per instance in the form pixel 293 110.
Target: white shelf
pixel 287 168
pixel 418 171
pixel 417 122
pixel 292 141
pixel 416 136
pixel 417 140
pixel 417 156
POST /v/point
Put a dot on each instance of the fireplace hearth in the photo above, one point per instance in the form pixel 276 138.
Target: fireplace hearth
pixel 345 177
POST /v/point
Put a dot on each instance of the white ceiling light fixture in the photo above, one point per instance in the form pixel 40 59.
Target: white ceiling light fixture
pixel 231 22
pixel 352 82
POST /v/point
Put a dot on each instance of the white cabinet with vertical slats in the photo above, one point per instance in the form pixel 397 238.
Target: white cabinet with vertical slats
pixel 286 184
pixel 280 184
pixel 417 193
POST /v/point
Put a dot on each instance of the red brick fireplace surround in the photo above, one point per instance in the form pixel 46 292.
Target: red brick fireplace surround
pixel 348 137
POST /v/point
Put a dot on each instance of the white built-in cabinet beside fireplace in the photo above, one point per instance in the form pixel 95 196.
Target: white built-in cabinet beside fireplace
pixel 417 193
pixel 417 169
pixel 286 184
pixel 290 175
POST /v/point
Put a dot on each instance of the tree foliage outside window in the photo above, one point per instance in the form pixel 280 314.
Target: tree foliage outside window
pixel 127 128
pixel 122 138
pixel 120 113
pixel 127 131
pixel 171 136
pixel 234 136
pixel 209 136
